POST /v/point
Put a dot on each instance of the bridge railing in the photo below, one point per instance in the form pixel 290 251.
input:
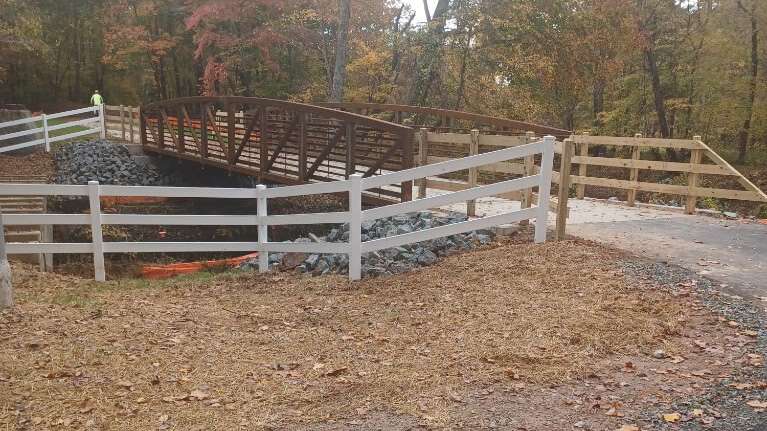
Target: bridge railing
pixel 279 141
pixel 354 216
pixel 446 120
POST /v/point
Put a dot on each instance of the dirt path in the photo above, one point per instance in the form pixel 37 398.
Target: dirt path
pixel 731 252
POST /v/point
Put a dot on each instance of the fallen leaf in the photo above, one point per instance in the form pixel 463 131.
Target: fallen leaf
pixel 741 386
pixel 628 428
pixel 697 413
pixel 613 412
pixel 672 417
pixel 757 404
pixel 750 333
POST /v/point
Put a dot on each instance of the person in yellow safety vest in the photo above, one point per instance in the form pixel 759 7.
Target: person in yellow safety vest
pixel 96 100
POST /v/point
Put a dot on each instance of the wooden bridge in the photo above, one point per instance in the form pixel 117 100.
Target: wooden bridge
pixel 295 143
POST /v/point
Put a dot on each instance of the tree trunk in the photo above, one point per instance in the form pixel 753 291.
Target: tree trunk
pixel 426 69
pixel 342 44
pixel 745 132
pixel 598 100
pixel 464 61
pixel 660 98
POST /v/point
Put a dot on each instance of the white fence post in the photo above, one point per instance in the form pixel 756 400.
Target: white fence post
pixel 102 122
pixel 263 255
pixel 6 287
pixel 45 134
pixel 355 227
pixel 547 163
pixel 94 196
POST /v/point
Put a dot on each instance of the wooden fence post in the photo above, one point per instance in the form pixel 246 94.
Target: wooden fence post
pixel 696 156
pixel 423 158
pixel 103 121
pixel 263 229
pixel 529 170
pixel 568 148
pixel 130 124
pixel 471 206
pixel 634 175
pixel 544 189
pixel 6 286
pixel 94 197
pixel 122 121
pixel 583 151
pixel 355 227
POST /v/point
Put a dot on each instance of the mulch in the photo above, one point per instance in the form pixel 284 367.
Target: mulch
pixel 37 163
pixel 539 335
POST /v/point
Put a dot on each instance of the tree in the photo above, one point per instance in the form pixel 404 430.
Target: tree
pixel 342 42
pixel 745 131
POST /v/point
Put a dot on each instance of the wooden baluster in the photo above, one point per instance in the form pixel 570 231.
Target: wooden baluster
pixel 180 130
pixel 351 132
pixel 263 147
pixel 583 168
pixel 131 111
pixel 231 144
pixel 302 151
pixel 423 159
pixel 471 206
pixel 204 131
pixel 529 170
pixel 568 148
pixel 122 121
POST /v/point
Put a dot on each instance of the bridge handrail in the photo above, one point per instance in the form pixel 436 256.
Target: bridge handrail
pixel 478 119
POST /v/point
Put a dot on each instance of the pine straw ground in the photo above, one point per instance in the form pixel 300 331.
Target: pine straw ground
pixel 279 351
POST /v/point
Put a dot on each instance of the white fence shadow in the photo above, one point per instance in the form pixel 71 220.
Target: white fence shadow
pixel 354 186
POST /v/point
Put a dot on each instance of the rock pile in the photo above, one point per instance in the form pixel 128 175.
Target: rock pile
pixel 388 261
pixel 105 162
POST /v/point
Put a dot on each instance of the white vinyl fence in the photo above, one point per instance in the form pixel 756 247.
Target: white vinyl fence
pixel 354 186
pixel 29 137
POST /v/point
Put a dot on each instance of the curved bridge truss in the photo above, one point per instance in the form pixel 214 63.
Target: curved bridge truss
pixel 279 141
pixel 296 143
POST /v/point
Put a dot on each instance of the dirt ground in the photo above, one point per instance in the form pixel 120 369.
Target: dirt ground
pixel 514 336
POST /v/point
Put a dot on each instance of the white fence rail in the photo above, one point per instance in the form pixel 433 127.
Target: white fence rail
pixel 92 125
pixel 354 186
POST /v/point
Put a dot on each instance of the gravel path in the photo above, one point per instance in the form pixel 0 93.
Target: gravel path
pixel 729 401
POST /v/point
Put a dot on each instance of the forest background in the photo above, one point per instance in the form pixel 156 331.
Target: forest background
pixel 664 68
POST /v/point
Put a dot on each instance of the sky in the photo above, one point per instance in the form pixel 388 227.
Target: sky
pixel 417 6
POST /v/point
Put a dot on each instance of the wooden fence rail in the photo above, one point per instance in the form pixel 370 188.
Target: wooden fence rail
pixel 695 168
pixel 354 187
pixel 122 121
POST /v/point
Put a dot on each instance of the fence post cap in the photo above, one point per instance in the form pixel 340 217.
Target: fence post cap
pixel 697 138
pixel 261 186
pixel 93 182
pixel 549 138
